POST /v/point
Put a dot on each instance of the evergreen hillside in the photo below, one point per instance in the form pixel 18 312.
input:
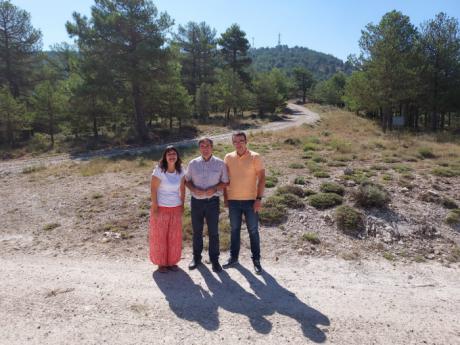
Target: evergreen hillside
pixel 321 65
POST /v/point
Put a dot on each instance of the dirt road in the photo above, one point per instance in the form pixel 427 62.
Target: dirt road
pixel 299 116
pixel 59 300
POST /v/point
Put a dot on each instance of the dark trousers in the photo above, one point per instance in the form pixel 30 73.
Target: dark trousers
pixel 236 209
pixel 205 209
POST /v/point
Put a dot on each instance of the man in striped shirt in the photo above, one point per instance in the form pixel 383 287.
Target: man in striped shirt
pixel 206 177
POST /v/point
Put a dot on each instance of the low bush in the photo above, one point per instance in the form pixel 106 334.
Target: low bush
pixel 310 147
pixel 291 189
pixel 444 172
pixel 296 166
pixel 325 200
pixel 426 152
pixel 291 141
pixel 331 187
pixel 449 203
pixel 349 220
pixel 453 218
pixel 299 180
pixel 272 215
pixel 370 194
pixel 311 237
pixel 270 181
pixel 321 174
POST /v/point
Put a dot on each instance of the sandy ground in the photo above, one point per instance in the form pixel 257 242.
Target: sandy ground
pixel 66 286
pixel 47 300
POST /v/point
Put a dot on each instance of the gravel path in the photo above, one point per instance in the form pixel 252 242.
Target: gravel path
pixel 299 116
pixel 62 300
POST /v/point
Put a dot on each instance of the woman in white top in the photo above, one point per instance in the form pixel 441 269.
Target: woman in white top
pixel 168 195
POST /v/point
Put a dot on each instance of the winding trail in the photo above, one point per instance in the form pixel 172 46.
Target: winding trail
pixel 299 116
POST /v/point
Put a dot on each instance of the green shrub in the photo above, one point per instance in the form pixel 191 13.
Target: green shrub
pixel 318 159
pixel 389 256
pixel 310 147
pixel 51 226
pixel 453 218
pixel 32 169
pixel 291 189
pixel 337 164
pixel 342 158
pixel 311 237
pixel 341 146
pixel 372 195
pixel 293 142
pixel 270 181
pixel 296 166
pixel 444 172
pixel 309 192
pixel 408 176
pixel 299 180
pixel 325 200
pixel 449 203
pixel 426 152
pixel 291 201
pixel 349 220
pixel 312 167
pixel 391 160
pixel 379 167
pixel 321 174
pixel 313 139
pixel 402 168
pixel 331 187
pixel 272 215
pixel 387 177
pixel 454 255
pixel 39 143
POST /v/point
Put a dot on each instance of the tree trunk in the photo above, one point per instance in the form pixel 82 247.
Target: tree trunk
pixel 141 128
pixel 9 130
pixel 94 116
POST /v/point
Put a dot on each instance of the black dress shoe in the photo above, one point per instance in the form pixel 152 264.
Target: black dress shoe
pixel 194 264
pixel 230 262
pixel 216 267
pixel 257 266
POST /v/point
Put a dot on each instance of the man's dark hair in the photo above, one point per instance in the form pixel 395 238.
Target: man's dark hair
pixel 239 134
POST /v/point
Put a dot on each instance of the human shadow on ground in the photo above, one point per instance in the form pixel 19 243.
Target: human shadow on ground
pixel 189 301
pixel 276 299
pixel 230 296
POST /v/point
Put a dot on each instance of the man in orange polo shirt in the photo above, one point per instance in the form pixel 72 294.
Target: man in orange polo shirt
pixel 244 196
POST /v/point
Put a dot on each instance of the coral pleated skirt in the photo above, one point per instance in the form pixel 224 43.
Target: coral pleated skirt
pixel 165 236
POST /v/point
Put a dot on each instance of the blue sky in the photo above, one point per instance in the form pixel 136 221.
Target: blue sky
pixel 329 26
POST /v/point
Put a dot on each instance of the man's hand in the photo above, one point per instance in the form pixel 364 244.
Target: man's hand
pixel 199 192
pixel 210 191
pixel 257 205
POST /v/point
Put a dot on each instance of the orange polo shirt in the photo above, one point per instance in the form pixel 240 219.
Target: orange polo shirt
pixel 242 172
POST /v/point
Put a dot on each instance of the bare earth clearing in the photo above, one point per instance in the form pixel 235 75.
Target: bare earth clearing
pixel 75 269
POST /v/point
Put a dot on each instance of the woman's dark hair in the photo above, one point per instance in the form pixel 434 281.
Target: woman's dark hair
pixel 163 163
